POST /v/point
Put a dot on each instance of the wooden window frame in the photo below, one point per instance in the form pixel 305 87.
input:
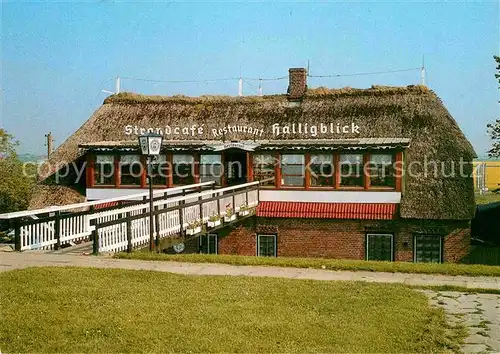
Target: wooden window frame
pixel 193 168
pixel 309 185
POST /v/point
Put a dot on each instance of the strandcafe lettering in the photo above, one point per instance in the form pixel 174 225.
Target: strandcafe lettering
pixel 277 130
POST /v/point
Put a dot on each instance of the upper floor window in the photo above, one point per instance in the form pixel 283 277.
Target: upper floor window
pixel 382 170
pixel 351 170
pixel 160 171
pixel 131 170
pixel 182 169
pixel 292 170
pixel 263 169
pixel 321 167
pixel 104 170
pixel 211 168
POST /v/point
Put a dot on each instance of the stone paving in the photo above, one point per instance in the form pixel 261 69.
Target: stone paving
pixel 479 313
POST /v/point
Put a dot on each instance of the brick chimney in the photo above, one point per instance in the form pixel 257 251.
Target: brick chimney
pixel 297 83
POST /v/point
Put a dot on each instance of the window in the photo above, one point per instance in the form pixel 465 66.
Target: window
pixel 211 169
pixel 428 248
pixel 130 170
pixel 351 170
pixel 379 247
pixel 382 171
pixel 208 244
pixel 292 170
pixel 104 170
pixel 182 169
pixel 263 169
pixel 160 171
pixel 266 245
pixel 321 167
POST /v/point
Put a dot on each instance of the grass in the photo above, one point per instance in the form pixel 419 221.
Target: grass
pixel 111 310
pixel 487 198
pixel 320 263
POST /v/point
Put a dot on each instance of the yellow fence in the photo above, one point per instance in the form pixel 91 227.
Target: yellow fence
pixel 487 174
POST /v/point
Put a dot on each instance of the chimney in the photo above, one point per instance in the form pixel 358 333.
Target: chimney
pixel 297 83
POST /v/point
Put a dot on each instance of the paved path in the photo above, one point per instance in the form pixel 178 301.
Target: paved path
pixel 480 313
pixel 13 260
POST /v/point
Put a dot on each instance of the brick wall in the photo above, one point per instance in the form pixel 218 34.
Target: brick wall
pixel 342 238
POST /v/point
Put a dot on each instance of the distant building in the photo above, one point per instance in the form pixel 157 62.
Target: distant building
pixel 308 149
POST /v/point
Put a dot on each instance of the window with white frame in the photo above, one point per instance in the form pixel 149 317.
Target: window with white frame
pixel 182 169
pixel 379 247
pixel 211 168
pixel 382 170
pixel 131 170
pixel 263 169
pixel 351 170
pixel 321 167
pixel 208 244
pixel 266 245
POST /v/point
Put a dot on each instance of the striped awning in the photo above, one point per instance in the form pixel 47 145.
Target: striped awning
pixel 360 211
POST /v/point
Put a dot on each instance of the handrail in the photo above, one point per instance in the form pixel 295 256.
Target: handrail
pixel 20 214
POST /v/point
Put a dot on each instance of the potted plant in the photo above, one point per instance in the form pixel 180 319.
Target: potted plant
pixel 230 215
pixel 214 220
pixel 244 210
pixel 194 227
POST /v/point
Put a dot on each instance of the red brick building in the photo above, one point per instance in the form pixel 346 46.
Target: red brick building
pixel 382 173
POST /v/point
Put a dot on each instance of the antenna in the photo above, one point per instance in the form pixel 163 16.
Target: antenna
pixel 49 143
pixel 117 89
pixel 422 72
pixel 260 87
pixel 307 67
pixel 240 87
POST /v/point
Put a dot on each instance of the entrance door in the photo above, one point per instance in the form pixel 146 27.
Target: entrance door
pixel 428 248
pixel 235 166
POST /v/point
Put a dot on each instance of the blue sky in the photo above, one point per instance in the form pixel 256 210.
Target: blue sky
pixel 57 56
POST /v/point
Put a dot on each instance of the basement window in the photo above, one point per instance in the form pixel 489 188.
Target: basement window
pixel 208 244
pixel 266 245
pixel 379 247
pixel 428 248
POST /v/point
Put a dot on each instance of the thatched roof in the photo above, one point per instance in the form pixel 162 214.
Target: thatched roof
pixel 54 195
pixel 412 112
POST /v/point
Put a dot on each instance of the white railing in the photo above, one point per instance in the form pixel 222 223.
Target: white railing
pixel 172 216
pixel 51 227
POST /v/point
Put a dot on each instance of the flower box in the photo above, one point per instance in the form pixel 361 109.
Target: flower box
pixel 230 218
pixel 193 231
pixel 244 212
pixel 214 223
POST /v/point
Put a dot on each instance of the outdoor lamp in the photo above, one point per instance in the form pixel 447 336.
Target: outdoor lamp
pixel 150 146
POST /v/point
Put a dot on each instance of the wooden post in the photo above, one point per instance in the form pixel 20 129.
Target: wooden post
pixel 17 234
pixel 399 171
pixel 366 170
pixel 90 170
pixel 336 166
pixel 170 173
pixel 144 174
pixel 57 230
pixel 200 199
pixel 277 170
pixel 307 174
pixel 95 237
pixel 129 233
pixel 117 171
pixel 181 218
pixel 249 167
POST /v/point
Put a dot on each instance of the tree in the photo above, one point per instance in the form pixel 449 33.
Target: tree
pixel 494 128
pixel 15 185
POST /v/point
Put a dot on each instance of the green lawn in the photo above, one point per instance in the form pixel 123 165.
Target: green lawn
pixel 321 263
pixel 110 310
pixel 487 198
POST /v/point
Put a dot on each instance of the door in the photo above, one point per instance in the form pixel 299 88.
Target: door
pixel 235 167
pixel 379 247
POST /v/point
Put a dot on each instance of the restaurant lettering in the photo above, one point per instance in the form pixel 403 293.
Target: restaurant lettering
pixel 277 130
